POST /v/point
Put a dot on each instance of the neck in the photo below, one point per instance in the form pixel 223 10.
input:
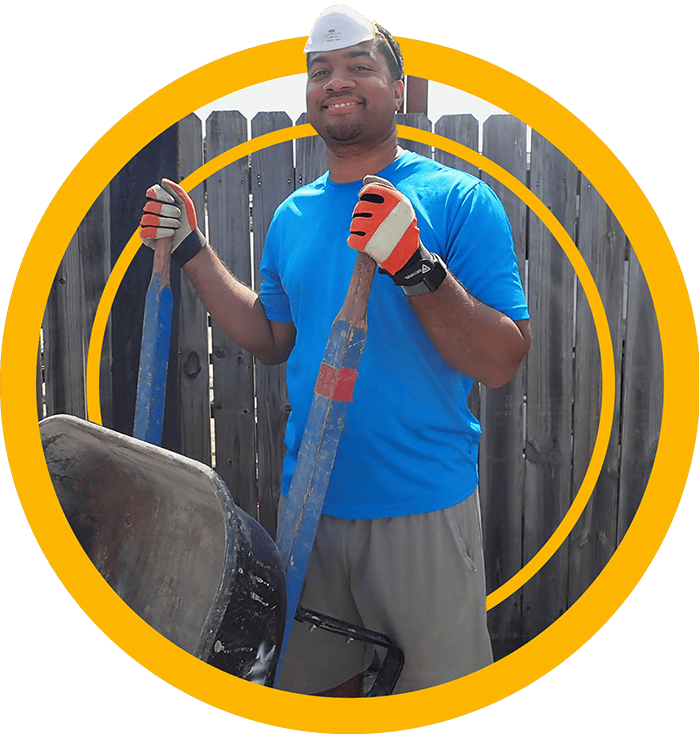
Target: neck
pixel 349 163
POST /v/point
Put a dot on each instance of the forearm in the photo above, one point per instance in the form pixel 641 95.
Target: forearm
pixel 474 338
pixel 235 308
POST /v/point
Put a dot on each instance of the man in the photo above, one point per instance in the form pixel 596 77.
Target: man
pixel 398 547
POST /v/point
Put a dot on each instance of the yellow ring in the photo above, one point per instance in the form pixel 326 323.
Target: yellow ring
pixel 556 643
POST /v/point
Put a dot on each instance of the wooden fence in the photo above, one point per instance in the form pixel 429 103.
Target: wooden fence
pixel 225 408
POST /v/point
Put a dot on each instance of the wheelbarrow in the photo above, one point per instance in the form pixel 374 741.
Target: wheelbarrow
pixel 165 533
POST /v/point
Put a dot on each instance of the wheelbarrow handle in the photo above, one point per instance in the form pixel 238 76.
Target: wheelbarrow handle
pixel 390 669
pixel 321 437
pixel 155 349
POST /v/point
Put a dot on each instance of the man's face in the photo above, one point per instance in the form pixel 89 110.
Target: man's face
pixel 350 96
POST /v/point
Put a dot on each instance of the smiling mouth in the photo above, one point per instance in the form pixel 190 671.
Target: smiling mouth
pixel 339 105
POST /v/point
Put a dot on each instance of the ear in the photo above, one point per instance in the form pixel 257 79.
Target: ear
pixel 398 93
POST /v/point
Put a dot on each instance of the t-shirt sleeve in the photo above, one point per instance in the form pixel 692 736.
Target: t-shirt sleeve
pixel 272 295
pixel 480 250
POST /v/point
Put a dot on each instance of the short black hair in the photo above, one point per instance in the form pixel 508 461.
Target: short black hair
pixel 390 49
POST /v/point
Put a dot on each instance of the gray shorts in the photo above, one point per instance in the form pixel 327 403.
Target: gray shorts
pixel 418 579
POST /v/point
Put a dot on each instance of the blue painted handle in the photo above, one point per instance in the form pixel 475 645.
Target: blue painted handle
pixel 155 349
pixel 152 371
pixel 304 504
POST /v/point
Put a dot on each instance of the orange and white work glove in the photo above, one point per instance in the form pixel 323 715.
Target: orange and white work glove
pixel 169 212
pixel 384 225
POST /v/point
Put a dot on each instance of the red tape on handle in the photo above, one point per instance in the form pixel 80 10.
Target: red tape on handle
pixel 336 384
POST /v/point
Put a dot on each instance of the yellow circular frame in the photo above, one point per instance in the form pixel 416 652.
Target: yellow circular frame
pixel 508 675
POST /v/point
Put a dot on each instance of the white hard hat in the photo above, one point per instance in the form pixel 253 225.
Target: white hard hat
pixel 338 27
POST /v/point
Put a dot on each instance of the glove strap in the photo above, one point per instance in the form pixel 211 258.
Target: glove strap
pixel 423 273
pixel 189 247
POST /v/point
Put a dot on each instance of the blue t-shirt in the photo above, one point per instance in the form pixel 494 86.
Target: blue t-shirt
pixel 410 443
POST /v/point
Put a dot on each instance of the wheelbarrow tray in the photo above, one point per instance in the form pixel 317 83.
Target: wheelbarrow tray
pixel 164 532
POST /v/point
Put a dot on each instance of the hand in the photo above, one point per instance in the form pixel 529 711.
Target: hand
pixel 384 225
pixel 169 212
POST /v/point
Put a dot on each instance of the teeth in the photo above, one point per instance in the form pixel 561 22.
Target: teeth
pixel 339 105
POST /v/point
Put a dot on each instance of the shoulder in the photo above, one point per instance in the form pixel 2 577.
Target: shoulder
pixel 435 184
pixel 298 204
pixel 413 168
pixel 304 193
pixel 438 186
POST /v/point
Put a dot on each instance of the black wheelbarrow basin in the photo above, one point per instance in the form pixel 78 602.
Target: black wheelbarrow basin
pixel 166 535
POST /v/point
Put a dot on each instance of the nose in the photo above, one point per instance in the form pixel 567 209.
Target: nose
pixel 338 81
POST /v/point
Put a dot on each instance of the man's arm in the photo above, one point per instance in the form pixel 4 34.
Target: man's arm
pixel 236 309
pixel 475 339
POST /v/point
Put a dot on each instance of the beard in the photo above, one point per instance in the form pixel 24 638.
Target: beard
pixel 343 132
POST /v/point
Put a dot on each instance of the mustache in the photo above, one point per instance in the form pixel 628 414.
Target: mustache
pixel 334 96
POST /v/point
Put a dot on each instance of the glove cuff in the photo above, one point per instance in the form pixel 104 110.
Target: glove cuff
pixel 424 272
pixel 189 247
pixel 431 278
pixel 410 272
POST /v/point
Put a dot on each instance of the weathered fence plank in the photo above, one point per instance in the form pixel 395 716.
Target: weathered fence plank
pixel 64 350
pixel 195 408
pixel 549 454
pixel 156 160
pixel 502 412
pixel 96 267
pixel 418 121
pixel 272 181
pixel 39 387
pixel 602 243
pixel 461 128
pixel 229 233
pixel 416 94
pixel 69 313
pixel 311 157
pixel 642 402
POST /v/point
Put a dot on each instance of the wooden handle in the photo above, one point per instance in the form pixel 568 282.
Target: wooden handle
pixel 161 259
pixel 355 305
pixel 155 348
pixel 321 437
